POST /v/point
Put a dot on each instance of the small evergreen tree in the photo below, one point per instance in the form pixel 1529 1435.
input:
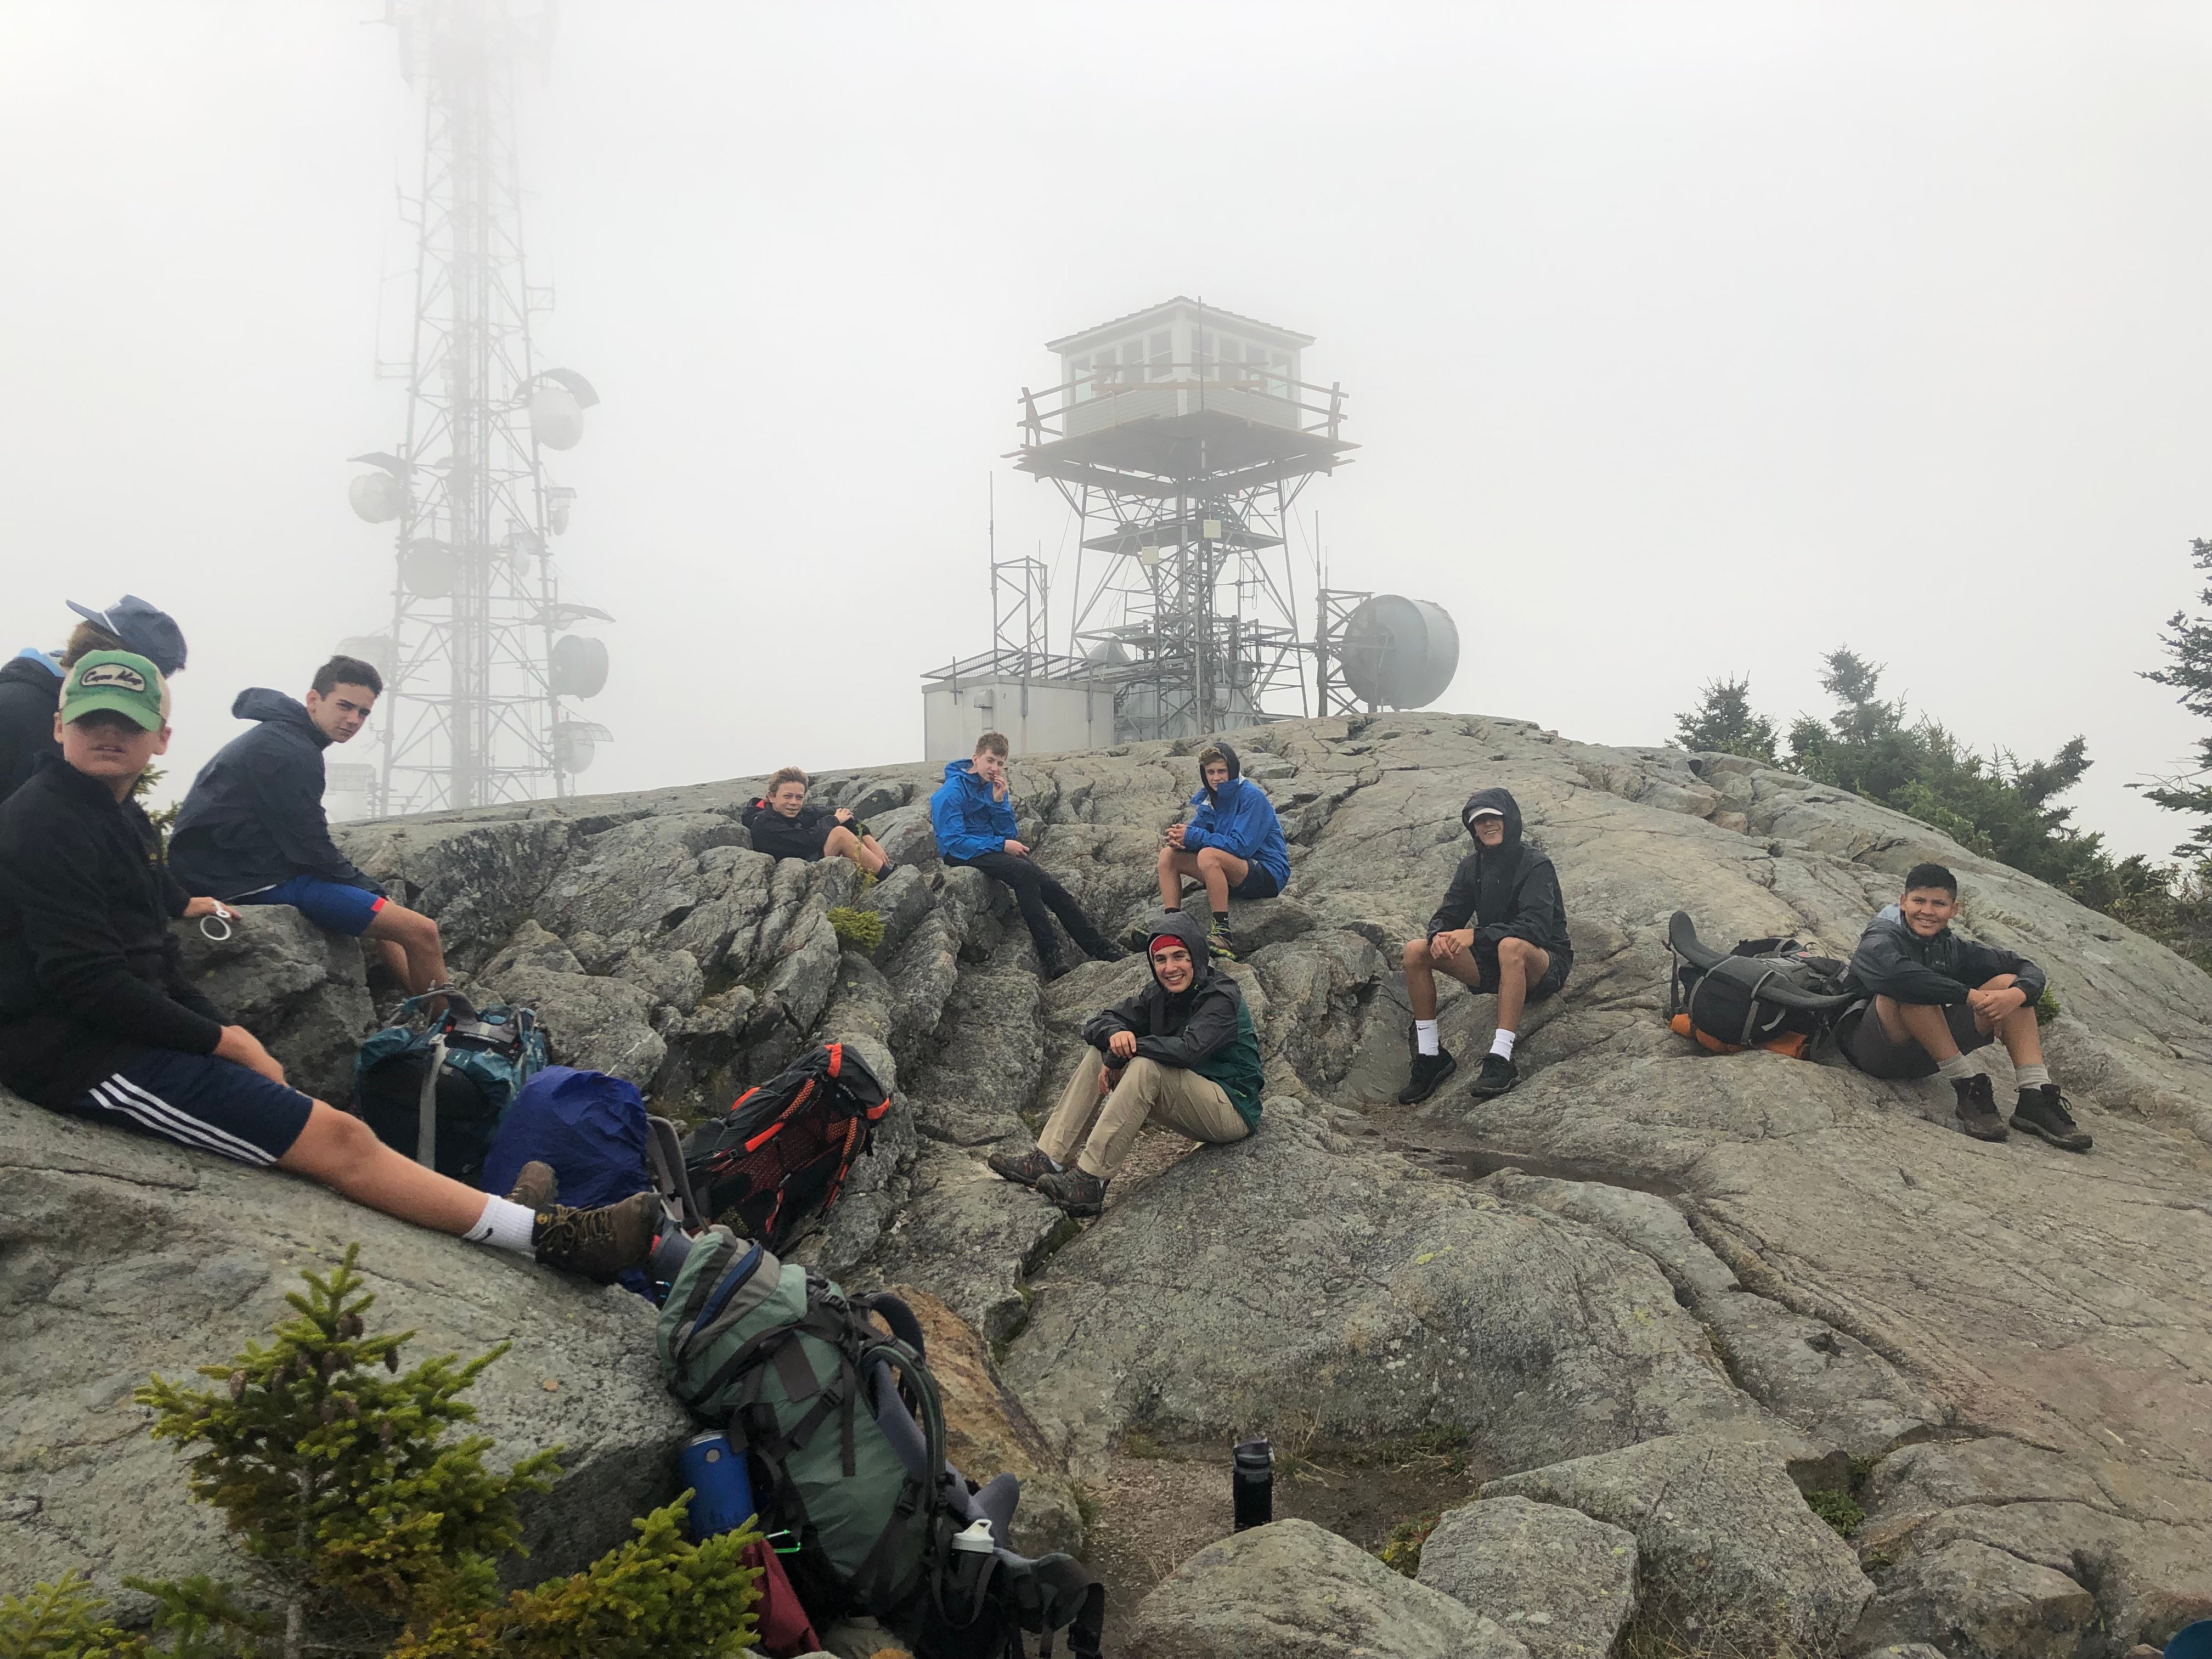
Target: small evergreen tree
pixel 2189 670
pixel 1724 723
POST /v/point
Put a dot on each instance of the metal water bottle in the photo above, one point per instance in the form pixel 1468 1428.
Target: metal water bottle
pixel 721 1489
pixel 1252 1484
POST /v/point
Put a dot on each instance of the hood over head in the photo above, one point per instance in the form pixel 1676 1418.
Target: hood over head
pixel 259 702
pixel 1229 754
pixel 1500 801
pixel 1190 931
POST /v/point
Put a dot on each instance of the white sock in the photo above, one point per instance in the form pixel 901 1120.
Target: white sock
pixel 1501 1045
pixel 1057 1168
pixel 2031 1076
pixel 1424 1037
pixel 1954 1069
pixel 502 1225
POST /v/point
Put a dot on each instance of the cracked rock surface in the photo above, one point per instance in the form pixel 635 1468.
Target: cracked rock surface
pixel 1793 1276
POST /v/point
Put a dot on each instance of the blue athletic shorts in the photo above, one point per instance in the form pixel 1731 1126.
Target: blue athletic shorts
pixel 328 904
pixel 199 1101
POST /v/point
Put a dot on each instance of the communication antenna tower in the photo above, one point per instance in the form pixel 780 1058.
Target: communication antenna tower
pixel 479 660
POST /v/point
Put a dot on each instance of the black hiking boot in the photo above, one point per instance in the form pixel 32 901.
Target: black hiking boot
pixel 1102 949
pixel 535 1187
pixel 1431 1072
pixel 1977 1107
pixel 1076 1191
pixel 2042 1113
pixel 1055 966
pixel 1026 1171
pixel 1497 1075
pixel 601 1244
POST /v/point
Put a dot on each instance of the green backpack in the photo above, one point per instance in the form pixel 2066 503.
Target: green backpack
pixel 780 1359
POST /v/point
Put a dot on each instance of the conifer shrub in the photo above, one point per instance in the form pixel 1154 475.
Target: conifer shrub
pixel 857 930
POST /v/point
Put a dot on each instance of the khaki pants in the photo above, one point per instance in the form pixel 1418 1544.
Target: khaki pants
pixel 1173 1097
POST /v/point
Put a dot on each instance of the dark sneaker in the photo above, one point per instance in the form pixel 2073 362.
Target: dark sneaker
pixel 1497 1076
pixel 1053 967
pixel 2042 1113
pixel 1103 949
pixel 1977 1107
pixel 535 1187
pixel 1429 1074
pixel 603 1244
pixel 1026 1171
pixel 1076 1191
pixel 1219 944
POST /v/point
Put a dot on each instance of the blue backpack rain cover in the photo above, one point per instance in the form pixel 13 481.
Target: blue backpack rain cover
pixel 588 1126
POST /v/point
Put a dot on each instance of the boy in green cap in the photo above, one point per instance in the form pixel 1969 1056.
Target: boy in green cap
pixel 96 1020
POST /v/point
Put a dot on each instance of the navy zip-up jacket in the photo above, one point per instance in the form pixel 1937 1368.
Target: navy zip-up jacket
pixel 1893 960
pixel 30 692
pixel 254 817
pixel 1506 892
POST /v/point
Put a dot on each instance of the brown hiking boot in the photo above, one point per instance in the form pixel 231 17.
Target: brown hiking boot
pixel 1076 1191
pixel 1026 1171
pixel 603 1244
pixel 1977 1107
pixel 535 1187
pixel 2042 1113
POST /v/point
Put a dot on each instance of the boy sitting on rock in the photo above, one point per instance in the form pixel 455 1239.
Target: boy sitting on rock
pixel 1181 1052
pixel 784 826
pixel 1502 928
pixel 972 814
pixel 1936 998
pixel 96 1020
pixel 1233 844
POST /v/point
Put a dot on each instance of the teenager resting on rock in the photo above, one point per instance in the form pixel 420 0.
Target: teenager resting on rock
pixel 251 830
pixel 31 680
pixel 973 815
pixel 1502 929
pixel 1233 844
pixel 1936 998
pixel 1181 1052
pixel 783 826
pixel 97 1021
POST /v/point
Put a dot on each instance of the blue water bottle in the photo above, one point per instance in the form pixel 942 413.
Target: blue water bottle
pixel 722 1491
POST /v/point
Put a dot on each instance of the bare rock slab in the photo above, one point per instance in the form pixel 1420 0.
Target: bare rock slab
pixel 1563 1585
pixel 1293 1591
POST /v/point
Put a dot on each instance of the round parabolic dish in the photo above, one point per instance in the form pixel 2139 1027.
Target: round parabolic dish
pixel 1400 652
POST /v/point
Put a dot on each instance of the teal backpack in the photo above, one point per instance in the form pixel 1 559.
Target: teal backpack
pixel 437 1094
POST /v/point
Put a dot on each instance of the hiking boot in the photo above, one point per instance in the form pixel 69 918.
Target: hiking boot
pixel 1497 1076
pixel 1977 1107
pixel 535 1187
pixel 1138 939
pixel 603 1244
pixel 1219 944
pixel 1026 1171
pixel 1075 1190
pixel 1103 949
pixel 1054 967
pixel 1429 1074
pixel 2042 1113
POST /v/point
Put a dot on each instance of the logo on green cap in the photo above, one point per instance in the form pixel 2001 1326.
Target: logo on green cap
pixel 120 681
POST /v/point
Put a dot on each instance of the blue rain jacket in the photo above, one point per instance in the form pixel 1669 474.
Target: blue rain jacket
pixel 966 819
pixel 1240 820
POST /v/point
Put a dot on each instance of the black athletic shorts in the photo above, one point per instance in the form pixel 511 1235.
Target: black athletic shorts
pixel 197 1100
pixel 1258 883
pixel 1868 1047
pixel 1485 959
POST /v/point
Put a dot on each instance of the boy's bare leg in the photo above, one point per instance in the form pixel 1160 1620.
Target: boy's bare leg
pixel 343 1153
pixel 1520 965
pixel 420 949
pixel 1922 1023
pixel 1422 966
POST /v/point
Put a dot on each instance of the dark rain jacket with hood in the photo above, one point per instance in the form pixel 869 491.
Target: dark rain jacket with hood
pixel 780 837
pixel 1238 818
pixel 1893 960
pixel 1506 892
pixel 1206 1029
pixel 254 817
pixel 965 818
pixel 30 692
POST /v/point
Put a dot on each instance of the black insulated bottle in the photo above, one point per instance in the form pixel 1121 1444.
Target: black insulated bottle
pixel 1252 1483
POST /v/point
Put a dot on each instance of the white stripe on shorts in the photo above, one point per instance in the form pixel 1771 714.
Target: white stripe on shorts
pixel 174 1123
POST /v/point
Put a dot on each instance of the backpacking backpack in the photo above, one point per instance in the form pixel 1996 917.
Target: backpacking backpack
pixel 437 1094
pixel 844 1435
pixel 1765 993
pixel 781 1153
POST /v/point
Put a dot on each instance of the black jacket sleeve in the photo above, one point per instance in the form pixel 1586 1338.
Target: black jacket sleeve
pixel 1540 915
pixel 1458 907
pixel 76 956
pixel 1883 967
pixel 1211 1027
pixel 287 795
pixel 1983 962
pixel 1128 1015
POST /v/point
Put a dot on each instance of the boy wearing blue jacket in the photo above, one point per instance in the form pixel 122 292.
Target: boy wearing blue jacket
pixel 1233 843
pixel 972 814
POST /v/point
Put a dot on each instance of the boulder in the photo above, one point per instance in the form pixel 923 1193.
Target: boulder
pixel 1561 1583
pixel 1293 1591
pixel 1727 1548
pixel 122 1255
pixel 303 992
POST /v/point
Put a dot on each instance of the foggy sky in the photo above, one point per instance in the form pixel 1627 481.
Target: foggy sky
pixel 1680 340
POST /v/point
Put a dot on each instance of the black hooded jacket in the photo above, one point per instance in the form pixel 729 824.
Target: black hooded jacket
pixel 1893 960
pixel 90 977
pixel 781 837
pixel 30 692
pixel 1206 1029
pixel 1506 892
pixel 254 815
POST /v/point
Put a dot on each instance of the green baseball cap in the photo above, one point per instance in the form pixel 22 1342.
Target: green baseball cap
pixel 119 680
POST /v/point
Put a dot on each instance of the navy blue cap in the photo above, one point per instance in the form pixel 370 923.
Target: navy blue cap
pixel 151 632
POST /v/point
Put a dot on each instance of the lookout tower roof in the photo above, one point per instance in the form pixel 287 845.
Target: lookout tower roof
pixel 1182 308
